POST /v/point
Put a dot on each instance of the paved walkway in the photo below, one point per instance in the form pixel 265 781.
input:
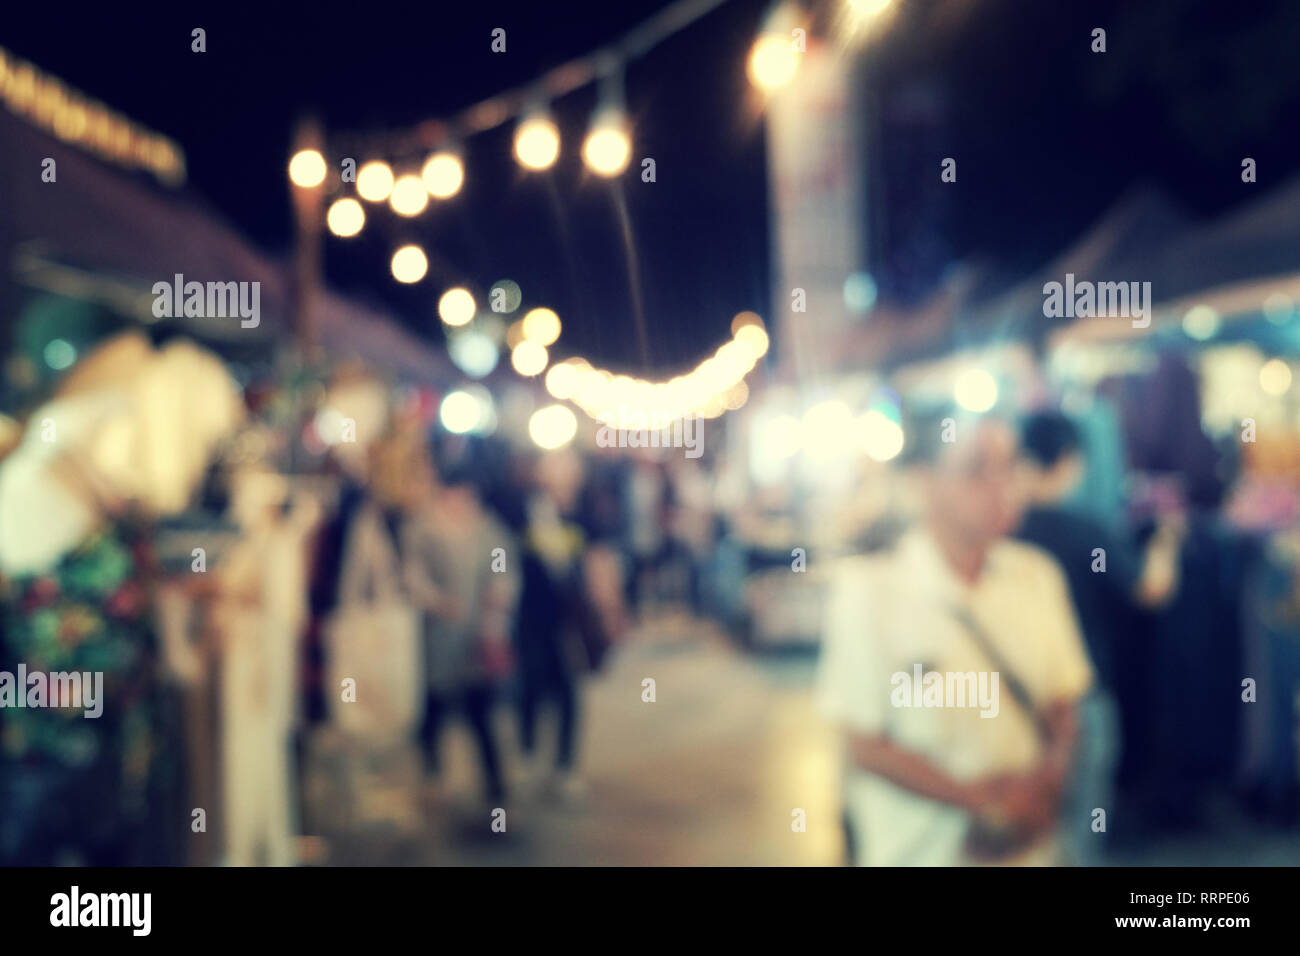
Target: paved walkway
pixel 710 773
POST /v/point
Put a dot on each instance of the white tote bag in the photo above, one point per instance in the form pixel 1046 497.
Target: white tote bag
pixel 373 639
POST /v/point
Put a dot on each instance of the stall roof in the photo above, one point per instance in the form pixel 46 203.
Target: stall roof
pixel 1233 264
pixel 105 235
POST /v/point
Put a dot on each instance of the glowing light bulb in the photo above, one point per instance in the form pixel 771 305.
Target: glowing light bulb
pixel 409 264
pixel 408 196
pixel 307 168
pixel 541 326
pixel 346 217
pixel 528 358
pixel 753 339
pixel 443 175
pixel 537 143
pixel 772 62
pixel 607 148
pixel 882 437
pixel 552 427
pixel 976 390
pixel 456 307
pixel 562 380
pixel 459 413
pixel 374 181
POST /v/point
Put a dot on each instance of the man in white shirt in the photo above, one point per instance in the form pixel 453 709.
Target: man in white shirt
pixel 956 601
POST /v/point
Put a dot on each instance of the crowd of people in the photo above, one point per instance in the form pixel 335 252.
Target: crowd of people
pixel 372 592
pixel 502 575
pixel 268 607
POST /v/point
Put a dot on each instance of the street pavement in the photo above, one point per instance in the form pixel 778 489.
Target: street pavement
pixel 714 771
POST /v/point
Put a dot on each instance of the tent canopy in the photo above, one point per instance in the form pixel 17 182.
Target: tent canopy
pixel 104 235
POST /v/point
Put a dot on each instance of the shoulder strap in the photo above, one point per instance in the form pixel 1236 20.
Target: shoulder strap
pixel 1018 690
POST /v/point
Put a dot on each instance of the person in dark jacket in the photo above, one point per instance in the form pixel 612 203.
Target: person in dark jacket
pixel 1109 580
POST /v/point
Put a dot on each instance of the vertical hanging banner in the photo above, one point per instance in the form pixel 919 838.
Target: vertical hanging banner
pixel 815 174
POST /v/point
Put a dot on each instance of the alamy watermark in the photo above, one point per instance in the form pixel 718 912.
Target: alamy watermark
pixel 197 300
pixel 639 429
pixel 922 688
pixel 1086 299
pixel 75 689
pixel 75 908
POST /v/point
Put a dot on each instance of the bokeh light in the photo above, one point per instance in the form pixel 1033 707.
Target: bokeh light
pixel 345 217
pixel 882 437
pixel 607 148
pixel 772 62
pixel 409 197
pixel 459 413
pixel 1201 322
pixel 374 181
pixel 474 353
pixel 443 175
pixel 456 307
pixel 409 264
pixel 1275 377
pixel 307 168
pixel 552 427
pixel 542 326
pixel 537 143
pixel 976 390
pixel 528 358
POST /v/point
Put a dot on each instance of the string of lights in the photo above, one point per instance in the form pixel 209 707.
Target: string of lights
pixel 76 118
pixel 389 174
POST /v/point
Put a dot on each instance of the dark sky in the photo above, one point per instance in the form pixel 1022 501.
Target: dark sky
pixel 1047 135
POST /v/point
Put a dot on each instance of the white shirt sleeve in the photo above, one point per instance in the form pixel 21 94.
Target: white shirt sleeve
pixel 852 688
pixel 1069 670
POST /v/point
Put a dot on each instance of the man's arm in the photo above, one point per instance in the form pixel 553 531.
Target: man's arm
pixel 1029 799
pixel 878 755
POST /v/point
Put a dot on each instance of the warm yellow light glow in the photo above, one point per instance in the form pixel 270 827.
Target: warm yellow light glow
pixel 1275 377
pixel 69 115
pixel 346 217
pixel 772 62
pixel 607 149
pixel 552 427
pixel 528 358
pixel 714 406
pixel 882 438
pixel 976 390
pixel 736 396
pixel 754 339
pixel 409 197
pixel 541 326
pixel 374 181
pixel 825 428
pixel 731 363
pixel 744 319
pixel 409 264
pixel 443 175
pixel 562 380
pixel 537 143
pixel 515 333
pixel 460 413
pixel 869 8
pixel 456 307
pixel 782 437
pixel 307 168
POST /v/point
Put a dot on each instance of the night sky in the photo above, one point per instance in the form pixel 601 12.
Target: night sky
pixel 1047 135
